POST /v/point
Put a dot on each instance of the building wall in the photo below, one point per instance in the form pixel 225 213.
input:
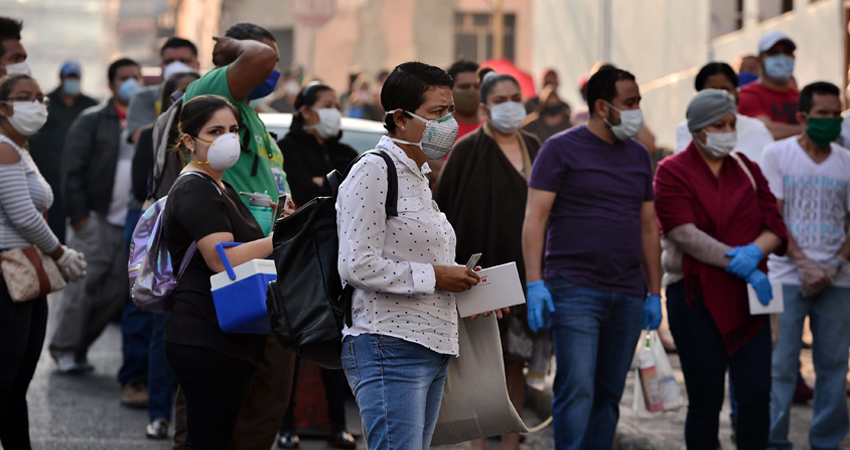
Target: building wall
pixel 374 35
pixel 58 30
pixel 664 43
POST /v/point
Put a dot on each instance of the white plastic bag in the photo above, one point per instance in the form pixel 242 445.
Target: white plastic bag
pixel 668 387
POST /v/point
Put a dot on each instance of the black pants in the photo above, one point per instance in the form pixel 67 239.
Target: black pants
pixel 336 391
pixel 215 387
pixel 22 328
pixel 704 362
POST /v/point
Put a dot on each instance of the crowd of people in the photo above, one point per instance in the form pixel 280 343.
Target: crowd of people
pixel 756 195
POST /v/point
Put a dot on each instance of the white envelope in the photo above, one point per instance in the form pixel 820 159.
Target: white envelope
pixel 499 288
pixel 776 305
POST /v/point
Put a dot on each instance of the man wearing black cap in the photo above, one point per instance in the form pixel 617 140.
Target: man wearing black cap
pixel 774 99
pixel 66 103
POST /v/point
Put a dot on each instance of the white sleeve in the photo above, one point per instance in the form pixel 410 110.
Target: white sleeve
pixel 683 137
pixel 362 225
pixel 771 171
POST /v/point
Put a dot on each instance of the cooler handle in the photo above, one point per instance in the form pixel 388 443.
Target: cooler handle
pixel 224 260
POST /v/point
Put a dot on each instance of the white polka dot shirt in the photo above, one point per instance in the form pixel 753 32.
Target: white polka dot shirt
pixel 389 261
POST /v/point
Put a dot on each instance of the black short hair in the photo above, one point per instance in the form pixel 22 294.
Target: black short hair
pixel 176 42
pixel 170 85
pixel 489 82
pixel 407 84
pixel 463 65
pixel 113 68
pixel 818 87
pixel 245 31
pixel 307 97
pixel 9 29
pixel 714 68
pixel 603 86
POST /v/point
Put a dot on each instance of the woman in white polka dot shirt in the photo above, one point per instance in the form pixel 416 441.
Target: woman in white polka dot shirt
pixel 404 319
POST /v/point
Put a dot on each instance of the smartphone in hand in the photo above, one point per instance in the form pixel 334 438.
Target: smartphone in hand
pixel 473 261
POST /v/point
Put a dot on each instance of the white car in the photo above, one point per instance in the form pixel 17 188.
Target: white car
pixel 360 134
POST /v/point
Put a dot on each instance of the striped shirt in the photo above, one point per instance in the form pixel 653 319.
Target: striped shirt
pixel 24 197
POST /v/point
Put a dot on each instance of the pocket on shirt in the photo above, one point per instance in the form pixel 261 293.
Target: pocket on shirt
pixel 409 205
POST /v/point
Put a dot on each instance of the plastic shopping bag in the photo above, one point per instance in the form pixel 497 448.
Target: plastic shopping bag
pixel 656 388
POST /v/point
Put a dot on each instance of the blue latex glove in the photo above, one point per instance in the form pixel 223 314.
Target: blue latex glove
pixel 744 260
pixel 759 281
pixel 538 296
pixel 652 312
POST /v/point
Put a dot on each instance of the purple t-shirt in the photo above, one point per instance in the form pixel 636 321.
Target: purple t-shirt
pixel 594 232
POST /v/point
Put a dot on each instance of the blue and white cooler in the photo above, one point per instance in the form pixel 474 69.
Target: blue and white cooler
pixel 239 294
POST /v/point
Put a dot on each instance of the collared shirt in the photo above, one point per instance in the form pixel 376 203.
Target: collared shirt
pixel 389 260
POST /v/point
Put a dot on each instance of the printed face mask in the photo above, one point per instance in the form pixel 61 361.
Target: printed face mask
pixel 27 117
pixel 507 117
pixel 438 137
pixel 631 122
pixel 330 121
pixel 223 152
pixel 719 145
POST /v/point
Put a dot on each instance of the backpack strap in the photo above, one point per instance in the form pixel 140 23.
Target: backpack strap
pixel 335 179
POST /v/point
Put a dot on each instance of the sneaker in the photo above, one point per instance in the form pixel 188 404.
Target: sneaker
pixel 342 439
pixel 158 430
pixel 67 364
pixel 134 395
pixel 288 439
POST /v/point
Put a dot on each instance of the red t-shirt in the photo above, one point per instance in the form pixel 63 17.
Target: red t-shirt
pixel 465 128
pixel 755 100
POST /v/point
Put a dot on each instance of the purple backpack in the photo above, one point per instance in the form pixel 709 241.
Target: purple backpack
pixel 152 277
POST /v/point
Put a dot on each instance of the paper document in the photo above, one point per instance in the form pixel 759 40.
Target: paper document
pixel 499 288
pixel 776 305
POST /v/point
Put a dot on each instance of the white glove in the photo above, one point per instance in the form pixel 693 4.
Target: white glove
pixel 72 264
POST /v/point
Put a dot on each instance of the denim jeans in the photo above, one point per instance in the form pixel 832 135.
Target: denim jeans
pixel 135 326
pixel 705 360
pixel 398 386
pixel 829 315
pixel 161 382
pixel 595 335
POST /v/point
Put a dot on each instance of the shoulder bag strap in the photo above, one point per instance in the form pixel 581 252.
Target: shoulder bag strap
pixel 746 169
pixel 335 179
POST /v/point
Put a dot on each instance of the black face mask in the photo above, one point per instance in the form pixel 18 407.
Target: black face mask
pixel 553 110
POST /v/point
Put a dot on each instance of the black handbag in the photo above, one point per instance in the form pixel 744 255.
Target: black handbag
pixel 307 305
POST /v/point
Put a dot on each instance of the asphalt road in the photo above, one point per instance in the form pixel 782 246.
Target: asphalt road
pixel 83 412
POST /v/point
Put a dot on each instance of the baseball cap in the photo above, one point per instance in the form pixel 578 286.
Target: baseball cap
pixel 774 37
pixel 71 68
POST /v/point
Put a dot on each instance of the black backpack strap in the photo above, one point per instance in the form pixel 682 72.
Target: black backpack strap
pixel 335 179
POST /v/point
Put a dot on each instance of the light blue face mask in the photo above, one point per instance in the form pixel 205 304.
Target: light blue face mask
pixel 71 87
pixel 779 67
pixel 128 89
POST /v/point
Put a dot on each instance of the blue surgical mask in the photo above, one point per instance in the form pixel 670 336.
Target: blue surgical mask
pixel 128 89
pixel 266 88
pixel 779 67
pixel 71 87
pixel 745 78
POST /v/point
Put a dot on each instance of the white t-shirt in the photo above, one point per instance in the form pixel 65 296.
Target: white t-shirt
pixel 844 138
pixel 752 137
pixel 117 214
pixel 816 199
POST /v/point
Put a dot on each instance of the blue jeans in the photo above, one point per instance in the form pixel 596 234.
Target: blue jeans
pixel 829 315
pixel 705 361
pixel 398 386
pixel 595 334
pixel 161 382
pixel 135 326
